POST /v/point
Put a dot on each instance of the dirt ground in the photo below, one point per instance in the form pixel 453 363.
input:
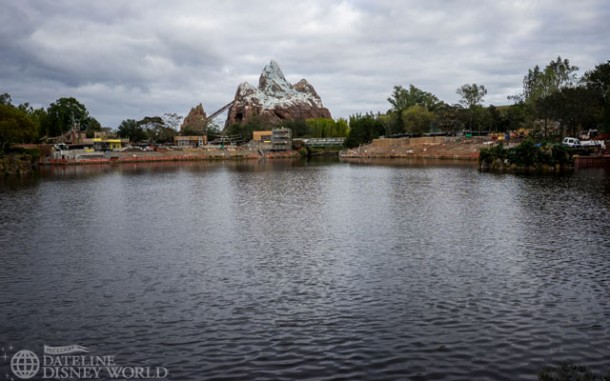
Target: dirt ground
pixel 420 148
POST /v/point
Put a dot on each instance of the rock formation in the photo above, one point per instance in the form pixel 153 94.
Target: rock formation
pixel 195 120
pixel 275 100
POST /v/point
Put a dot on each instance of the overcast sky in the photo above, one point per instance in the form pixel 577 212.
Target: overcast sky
pixel 127 60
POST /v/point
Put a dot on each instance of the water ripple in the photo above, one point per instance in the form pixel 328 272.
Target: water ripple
pixel 285 271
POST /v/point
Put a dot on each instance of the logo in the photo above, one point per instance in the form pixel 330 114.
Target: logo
pixel 25 364
pixel 76 362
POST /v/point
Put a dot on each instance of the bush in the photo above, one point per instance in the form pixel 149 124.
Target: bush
pixel 526 155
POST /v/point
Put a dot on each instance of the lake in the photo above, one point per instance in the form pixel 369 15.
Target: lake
pixel 293 270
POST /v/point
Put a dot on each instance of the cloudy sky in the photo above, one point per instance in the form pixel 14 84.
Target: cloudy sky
pixel 127 60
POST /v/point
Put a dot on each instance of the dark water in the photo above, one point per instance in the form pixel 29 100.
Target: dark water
pixel 288 270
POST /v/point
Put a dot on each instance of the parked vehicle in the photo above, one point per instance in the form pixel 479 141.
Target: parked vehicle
pixel 593 143
pixel 588 146
pixel 571 142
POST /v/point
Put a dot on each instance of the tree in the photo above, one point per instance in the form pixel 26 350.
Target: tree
pixel 298 127
pixel 190 130
pixel 65 114
pixel 149 122
pixel 36 116
pixel 401 99
pixel 93 127
pixel 448 118
pixel 472 96
pixel 538 85
pixel 243 131
pixel 495 119
pixel 542 83
pixel 598 80
pixel 15 127
pixel 161 134
pixel 575 108
pixel 5 99
pixel 417 119
pixel 326 128
pixel 172 120
pixel 130 129
pixel 341 127
pixel 363 129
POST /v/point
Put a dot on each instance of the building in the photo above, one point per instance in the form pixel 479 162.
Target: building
pixel 100 144
pixel 281 139
pixel 191 141
pixel 262 136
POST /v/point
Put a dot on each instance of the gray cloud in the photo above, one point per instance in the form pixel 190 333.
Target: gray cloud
pixel 147 58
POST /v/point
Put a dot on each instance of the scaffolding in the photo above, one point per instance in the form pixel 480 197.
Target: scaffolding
pixel 281 139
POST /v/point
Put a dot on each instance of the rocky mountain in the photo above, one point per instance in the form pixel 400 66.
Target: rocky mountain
pixel 275 99
pixel 195 120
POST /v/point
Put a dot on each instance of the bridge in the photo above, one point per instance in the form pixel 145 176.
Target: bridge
pixel 324 142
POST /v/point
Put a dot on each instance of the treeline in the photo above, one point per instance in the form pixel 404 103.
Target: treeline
pixel 22 123
pixel 25 124
pixel 153 129
pixel 555 102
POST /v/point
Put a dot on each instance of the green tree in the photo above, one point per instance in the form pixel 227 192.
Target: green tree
pixel 598 80
pixel 15 127
pixel 341 127
pixel 151 122
pixel 512 117
pixel 5 99
pixel 298 127
pixel 472 96
pixel 402 99
pixel 495 119
pixel 363 129
pixel 325 128
pixel 417 119
pixel 65 114
pixel 130 129
pixel 92 127
pixel 190 130
pixel 576 108
pixel 243 132
pixel 448 118
pixel 161 134
pixel 37 116
pixel 539 84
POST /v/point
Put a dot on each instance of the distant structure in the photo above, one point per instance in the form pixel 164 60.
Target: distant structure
pixel 191 141
pixel 275 100
pixel 281 139
pixel 196 120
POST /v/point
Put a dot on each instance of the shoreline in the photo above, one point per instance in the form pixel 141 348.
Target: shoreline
pixel 172 156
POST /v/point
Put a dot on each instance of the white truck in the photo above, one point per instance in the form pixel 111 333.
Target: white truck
pixel 576 143
pixel 571 142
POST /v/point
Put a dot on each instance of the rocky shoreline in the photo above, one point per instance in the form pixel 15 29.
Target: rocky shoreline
pixel 17 165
